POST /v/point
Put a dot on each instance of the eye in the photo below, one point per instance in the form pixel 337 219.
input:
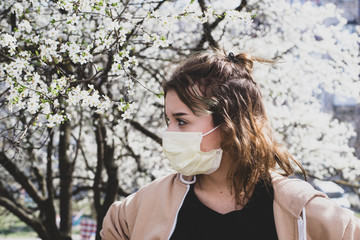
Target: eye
pixel 181 122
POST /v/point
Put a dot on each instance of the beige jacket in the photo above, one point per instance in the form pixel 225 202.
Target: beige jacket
pixel 151 213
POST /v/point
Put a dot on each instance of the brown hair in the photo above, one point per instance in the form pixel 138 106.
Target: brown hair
pixel 222 85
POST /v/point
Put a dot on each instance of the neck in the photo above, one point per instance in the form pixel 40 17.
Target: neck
pixel 217 180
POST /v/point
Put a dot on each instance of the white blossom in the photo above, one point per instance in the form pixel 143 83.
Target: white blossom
pixel 33 104
pixel 18 8
pixel 54 120
pixel 24 26
pixel 6 40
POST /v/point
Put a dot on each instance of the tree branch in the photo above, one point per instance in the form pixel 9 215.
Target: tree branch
pixel 5 193
pixel 30 221
pixel 145 131
pixel 208 28
pixel 21 178
pixel 20 211
pixel 129 35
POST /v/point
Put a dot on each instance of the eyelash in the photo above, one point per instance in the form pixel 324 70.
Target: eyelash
pixel 179 121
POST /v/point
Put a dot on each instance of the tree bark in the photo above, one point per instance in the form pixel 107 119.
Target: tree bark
pixel 66 169
pixel 50 219
pixel 99 135
pixel 108 161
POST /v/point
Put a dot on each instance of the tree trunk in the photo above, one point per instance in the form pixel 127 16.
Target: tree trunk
pixel 66 168
pixel 111 187
pixel 105 158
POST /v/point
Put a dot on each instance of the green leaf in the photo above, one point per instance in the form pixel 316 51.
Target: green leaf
pixel 15 100
pixel 20 89
pixel 160 95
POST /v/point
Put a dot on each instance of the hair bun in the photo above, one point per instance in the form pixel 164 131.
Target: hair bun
pixel 245 60
pixel 242 59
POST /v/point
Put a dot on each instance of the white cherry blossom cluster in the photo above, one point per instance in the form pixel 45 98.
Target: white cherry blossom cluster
pixel 315 59
pixel 233 15
pixel 8 41
pixel 76 54
pixel 88 98
pixel 18 8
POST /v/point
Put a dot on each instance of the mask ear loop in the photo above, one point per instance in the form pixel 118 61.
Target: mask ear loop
pixel 211 131
pixel 188 182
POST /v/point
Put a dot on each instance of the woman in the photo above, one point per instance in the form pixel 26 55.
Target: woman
pixel 220 143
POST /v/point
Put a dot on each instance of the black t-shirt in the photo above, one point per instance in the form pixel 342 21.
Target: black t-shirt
pixel 255 221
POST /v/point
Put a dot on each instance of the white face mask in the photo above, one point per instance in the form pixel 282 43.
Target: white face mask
pixel 182 149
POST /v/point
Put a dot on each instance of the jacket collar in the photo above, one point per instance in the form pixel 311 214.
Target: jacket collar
pixel 290 193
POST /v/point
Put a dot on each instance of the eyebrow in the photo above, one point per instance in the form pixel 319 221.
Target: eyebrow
pixel 179 114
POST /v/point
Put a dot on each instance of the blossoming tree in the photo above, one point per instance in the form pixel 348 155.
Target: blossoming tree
pixel 82 105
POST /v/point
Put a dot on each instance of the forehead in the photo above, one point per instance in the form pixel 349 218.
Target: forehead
pixel 173 104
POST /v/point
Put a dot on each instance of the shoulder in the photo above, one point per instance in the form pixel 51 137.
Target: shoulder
pixel 152 192
pixel 162 183
pixel 156 197
pixel 325 219
pixel 293 194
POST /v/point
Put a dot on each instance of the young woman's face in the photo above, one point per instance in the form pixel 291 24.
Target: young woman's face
pixel 182 119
